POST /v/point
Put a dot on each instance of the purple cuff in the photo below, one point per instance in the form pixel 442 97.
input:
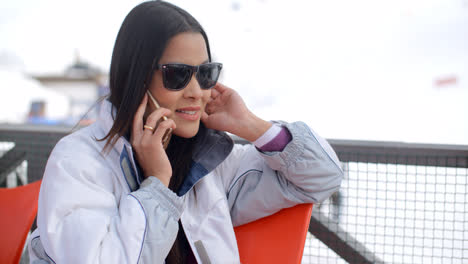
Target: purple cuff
pixel 279 142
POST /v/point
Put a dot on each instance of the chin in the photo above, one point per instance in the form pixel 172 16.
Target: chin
pixel 187 131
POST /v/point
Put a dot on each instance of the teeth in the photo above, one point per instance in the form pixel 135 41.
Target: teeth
pixel 187 112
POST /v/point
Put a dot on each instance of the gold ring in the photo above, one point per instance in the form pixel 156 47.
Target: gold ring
pixel 148 127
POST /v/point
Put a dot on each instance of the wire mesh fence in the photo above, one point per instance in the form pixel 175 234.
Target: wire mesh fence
pixel 399 203
pixel 399 212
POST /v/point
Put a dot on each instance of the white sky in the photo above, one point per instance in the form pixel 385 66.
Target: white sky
pixel 350 69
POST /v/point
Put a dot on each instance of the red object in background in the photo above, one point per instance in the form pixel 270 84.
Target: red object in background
pixel 446 81
pixel 18 208
pixel 278 238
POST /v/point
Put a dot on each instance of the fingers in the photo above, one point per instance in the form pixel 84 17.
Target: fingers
pixel 155 135
pixel 153 119
pixel 160 132
pixel 219 87
pixel 204 116
pixel 138 118
pixel 214 104
pixel 209 109
pixel 214 93
pixel 163 129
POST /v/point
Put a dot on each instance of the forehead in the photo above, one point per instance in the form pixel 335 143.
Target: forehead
pixel 187 47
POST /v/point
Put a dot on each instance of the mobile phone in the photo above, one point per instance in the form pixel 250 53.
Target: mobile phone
pixel 168 133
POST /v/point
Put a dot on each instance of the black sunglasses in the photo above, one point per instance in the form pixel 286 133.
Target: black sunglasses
pixel 176 76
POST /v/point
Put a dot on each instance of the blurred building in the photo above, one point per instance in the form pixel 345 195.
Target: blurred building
pixel 83 84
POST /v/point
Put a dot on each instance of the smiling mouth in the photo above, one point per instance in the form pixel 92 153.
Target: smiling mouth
pixel 187 112
pixel 191 113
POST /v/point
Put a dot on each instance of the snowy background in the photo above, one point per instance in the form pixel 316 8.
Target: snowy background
pixel 369 70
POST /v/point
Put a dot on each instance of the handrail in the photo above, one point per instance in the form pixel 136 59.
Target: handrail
pixel 397 152
pixel 39 140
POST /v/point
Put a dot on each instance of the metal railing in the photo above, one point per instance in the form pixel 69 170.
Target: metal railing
pixel 399 203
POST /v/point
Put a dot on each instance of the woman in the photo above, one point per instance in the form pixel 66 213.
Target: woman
pixel 111 193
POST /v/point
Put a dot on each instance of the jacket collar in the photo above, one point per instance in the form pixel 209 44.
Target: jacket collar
pixel 211 148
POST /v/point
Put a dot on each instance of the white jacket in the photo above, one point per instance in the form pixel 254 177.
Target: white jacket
pixel 93 208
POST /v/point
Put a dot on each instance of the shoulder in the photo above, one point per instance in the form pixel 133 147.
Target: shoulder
pixel 241 159
pixel 79 154
pixel 82 141
pixel 237 154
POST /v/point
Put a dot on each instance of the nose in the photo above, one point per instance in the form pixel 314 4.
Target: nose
pixel 193 89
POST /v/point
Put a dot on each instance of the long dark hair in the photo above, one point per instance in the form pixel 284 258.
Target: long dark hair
pixel 140 43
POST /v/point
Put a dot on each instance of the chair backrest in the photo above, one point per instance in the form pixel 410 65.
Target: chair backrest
pixel 18 208
pixel 278 238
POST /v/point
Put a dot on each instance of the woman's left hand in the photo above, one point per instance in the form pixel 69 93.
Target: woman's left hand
pixel 226 111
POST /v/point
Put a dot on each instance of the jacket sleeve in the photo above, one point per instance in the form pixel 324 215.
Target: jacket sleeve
pixel 81 220
pixel 259 184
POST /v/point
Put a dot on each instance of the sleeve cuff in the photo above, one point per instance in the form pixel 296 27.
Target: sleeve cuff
pixel 278 142
pixel 153 190
pixel 268 136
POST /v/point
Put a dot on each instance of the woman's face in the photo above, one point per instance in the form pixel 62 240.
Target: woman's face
pixel 188 104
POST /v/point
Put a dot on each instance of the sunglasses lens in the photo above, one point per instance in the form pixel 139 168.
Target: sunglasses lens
pixel 176 77
pixel 208 74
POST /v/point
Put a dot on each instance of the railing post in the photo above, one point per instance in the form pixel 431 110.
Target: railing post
pixel 9 164
pixel 340 241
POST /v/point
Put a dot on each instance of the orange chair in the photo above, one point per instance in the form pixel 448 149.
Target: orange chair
pixel 18 208
pixel 279 238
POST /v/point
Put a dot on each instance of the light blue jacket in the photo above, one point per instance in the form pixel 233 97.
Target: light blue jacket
pixel 94 208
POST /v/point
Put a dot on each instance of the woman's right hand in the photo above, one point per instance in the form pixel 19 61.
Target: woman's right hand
pixel 148 146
